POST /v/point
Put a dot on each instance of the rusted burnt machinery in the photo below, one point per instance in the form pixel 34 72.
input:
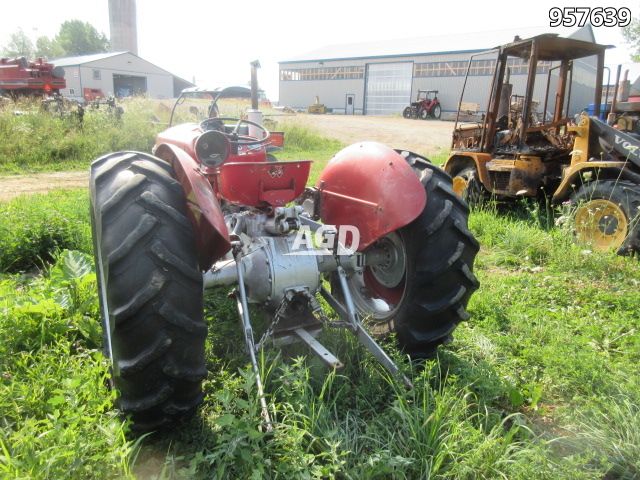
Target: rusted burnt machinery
pixel 625 105
pixel 426 106
pixel 18 76
pixel 385 246
pixel 516 152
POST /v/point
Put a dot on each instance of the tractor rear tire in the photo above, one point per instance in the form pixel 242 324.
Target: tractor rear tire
pixel 607 215
pixel 438 251
pixel 423 114
pixel 436 112
pixel 150 288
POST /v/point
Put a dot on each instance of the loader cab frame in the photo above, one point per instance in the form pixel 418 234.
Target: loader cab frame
pixel 514 151
pixel 548 48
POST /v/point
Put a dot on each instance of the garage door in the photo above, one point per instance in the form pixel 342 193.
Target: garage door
pixel 388 87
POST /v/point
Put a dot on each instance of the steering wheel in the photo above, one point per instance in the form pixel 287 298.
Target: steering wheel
pixel 217 123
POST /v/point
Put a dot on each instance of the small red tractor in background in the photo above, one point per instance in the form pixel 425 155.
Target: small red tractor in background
pixel 382 238
pixel 21 77
pixel 426 105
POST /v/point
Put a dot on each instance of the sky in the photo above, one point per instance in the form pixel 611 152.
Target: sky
pixel 213 41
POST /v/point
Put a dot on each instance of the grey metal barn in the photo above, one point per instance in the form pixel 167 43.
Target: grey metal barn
pixel 381 78
pixel 118 73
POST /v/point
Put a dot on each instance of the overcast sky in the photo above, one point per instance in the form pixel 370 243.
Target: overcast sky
pixel 214 41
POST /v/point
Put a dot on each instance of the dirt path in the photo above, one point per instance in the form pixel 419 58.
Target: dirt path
pixel 425 137
pixel 421 136
pixel 14 185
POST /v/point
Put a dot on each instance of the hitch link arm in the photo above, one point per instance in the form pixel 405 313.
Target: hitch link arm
pixel 243 311
pixel 356 326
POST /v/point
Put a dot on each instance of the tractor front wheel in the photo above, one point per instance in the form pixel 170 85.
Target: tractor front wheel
pixel 406 113
pixel 467 186
pixel 436 112
pixel 423 114
pixel 150 288
pixel 422 290
pixel 607 215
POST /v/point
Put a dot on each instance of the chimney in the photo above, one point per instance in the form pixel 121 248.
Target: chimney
pixel 122 26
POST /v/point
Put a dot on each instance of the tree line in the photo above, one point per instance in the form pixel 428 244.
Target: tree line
pixel 75 37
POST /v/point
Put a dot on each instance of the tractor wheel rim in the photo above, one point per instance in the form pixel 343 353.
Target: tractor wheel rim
pixel 460 185
pixel 378 291
pixel 602 224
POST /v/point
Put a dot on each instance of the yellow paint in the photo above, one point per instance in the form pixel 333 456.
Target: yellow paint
pixel 601 223
pixel 580 151
pixel 571 176
pixel 479 160
pixel 459 185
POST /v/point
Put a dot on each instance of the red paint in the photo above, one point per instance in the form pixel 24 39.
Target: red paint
pixel 203 209
pixel 389 295
pixel 277 139
pixel 370 186
pixel 258 183
pixel 185 135
pixel 91 94
pixel 24 77
pixel 182 136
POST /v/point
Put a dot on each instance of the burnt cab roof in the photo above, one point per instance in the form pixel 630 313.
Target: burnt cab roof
pixel 554 48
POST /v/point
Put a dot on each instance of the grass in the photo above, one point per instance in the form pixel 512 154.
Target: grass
pixel 33 228
pixel 36 142
pixel 542 382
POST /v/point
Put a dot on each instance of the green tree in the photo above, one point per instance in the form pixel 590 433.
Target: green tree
pixel 631 34
pixel 80 38
pixel 19 45
pixel 48 48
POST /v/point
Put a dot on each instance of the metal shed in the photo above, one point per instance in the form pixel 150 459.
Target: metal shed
pixel 381 78
pixel 121 74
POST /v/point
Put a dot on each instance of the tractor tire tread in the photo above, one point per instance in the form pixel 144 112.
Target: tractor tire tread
pixel 152 286
pixel 155 205
pixel 443 273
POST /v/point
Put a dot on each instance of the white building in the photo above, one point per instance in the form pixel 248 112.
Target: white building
pixel 117 73
pixel 381 78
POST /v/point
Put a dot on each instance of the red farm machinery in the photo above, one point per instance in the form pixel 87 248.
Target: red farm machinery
pixel 381 239
pixel 426 106
pixel 20 77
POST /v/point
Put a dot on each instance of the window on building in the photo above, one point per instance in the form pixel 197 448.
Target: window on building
pixel 478 67
pixel 324 73
pixel 72 91
pixel 96 74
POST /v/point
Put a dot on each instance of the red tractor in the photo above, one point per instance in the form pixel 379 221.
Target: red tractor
pixel 21 77
pixel 426 106
pixel 381 237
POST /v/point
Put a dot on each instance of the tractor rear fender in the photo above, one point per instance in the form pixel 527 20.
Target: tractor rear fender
pixel 203 209
pixel 571 176
pixel 458 161
pixel 371 187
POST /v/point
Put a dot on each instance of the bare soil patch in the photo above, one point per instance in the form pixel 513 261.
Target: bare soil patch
pixel 14 185
pixel 426 137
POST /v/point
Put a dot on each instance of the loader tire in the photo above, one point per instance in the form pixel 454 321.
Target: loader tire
pixel 467 186
pixel 439 251
pixel 607 215
pixel 150 288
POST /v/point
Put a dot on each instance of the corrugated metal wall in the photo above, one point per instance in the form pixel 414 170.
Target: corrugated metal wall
pixel 300 93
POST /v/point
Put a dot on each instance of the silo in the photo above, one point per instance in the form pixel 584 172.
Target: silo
pixel 122 24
